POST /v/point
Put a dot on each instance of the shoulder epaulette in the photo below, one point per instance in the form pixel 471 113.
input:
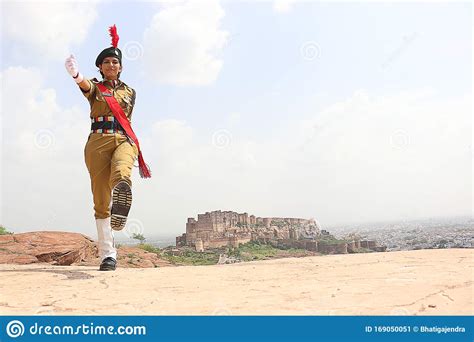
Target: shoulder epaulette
pixel 127 86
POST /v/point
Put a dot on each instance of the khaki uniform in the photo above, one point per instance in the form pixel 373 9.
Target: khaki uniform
pixel 109 157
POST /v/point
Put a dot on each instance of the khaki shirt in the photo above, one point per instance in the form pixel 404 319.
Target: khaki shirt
pixel 99 107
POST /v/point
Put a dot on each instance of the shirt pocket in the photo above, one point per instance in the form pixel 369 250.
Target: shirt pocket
pixel 99 97
pixel 99 107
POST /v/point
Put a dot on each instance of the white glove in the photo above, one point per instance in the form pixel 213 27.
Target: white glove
pixel 73 69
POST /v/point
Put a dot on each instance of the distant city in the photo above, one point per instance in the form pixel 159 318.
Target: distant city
pixel 417 234
pixel 455 232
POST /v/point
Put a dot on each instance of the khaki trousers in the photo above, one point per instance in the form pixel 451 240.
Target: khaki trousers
pixel 109 159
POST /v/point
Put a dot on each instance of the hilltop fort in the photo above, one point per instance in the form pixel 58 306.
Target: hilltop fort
pixel 218 229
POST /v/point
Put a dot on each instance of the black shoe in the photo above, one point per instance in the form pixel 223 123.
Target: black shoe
pixel 108 264
pixel 121 203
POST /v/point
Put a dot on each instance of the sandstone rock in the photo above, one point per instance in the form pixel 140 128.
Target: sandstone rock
pixel 66 248
pixel 133 257
pixel 57 248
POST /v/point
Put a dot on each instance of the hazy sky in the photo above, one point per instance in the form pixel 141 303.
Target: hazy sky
pixel 343 112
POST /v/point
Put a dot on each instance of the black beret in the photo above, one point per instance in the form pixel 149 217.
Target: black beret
pixel 109 52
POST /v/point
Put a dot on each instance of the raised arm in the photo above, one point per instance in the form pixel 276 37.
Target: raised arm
pixel 73 70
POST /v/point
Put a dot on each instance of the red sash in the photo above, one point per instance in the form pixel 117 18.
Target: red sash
pixel 120 116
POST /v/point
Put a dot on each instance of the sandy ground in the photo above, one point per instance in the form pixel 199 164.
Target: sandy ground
pixel 425 282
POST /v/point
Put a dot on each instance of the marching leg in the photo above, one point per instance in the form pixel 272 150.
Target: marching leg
pixel 106 244
pixel 120 180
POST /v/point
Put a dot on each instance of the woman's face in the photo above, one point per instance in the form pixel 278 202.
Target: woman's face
pixel 110 67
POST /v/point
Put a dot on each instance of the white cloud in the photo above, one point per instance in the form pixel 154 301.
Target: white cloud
pixel 364 159
pixel 398 156
pixel 46 184
pixel 49 28
pixel 173 133
pixel 183 42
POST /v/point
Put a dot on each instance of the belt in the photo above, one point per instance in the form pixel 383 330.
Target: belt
pixel 106 124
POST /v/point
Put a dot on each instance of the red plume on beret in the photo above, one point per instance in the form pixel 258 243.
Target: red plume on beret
pixel 114 35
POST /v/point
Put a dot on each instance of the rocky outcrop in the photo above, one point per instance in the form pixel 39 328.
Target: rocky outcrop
pixel 56 248
pixel 66 248
pixel 133 257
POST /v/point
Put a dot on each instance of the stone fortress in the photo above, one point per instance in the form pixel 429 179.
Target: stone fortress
pixel 217 229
